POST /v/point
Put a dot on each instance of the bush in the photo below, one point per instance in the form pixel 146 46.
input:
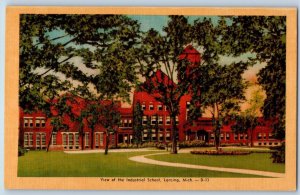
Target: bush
pixel 220 152
pixel 278 155
pixel 21 151
pixel 189 144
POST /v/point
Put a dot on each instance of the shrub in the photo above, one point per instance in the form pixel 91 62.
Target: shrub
pixel 21 151
pixel 189 144
pixel 220 152
pixel 278 155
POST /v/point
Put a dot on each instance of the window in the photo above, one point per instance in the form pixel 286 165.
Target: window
pixel 43 135
pixel 153 134
pixel 71 139
pixel 265 136
pixel 168 136
pixel 28 139
pixel 143 106
pixel 176 119
pixel 259 136
pixel 227 136
pixel 87 138
pixel 37 122
pixel 259 144
pixel 144 120
pixel 235 136
pixel 270 143
pixel 129 123
pixel 271 136
pixel 101 139
pixel 43 122
pixel 222 136
pixel 241 136
pixel 212 136
pixel 53 139
pixel 77 139
pixel 40 122
pixel 153 120
pixel 151 107
pixel 159 107
pixel 246 136
pixel 161 137
pixel 97 140
pixel 38 140
pixel 28 122
pixel 168 120
pixel 160 120
pixel 65 139
pixel 125 123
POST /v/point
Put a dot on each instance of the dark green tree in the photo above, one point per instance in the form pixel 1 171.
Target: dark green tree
pixel 138 127
pixel 218 87
pixel 161 53
pixel 265 36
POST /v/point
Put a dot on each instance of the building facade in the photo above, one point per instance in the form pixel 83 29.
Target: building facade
pixel 36 130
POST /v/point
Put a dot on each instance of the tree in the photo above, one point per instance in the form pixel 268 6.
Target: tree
pixel 219 88
pixel 109 119
pixel 265 36
pixel 49 45
pixel 117 72
pixel 160 64
pixel 61 109
pixel 138 127
pixel 248 120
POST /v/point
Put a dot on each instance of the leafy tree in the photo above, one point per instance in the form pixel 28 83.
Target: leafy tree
pixel 219 88
pixel 161 52
pixel 49 45
pixel 248 120
pixel 61 110
pixel 265 36
pixel 109 119
pixel 138 127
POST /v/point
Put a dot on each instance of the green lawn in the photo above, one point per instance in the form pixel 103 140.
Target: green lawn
pixel 254 161
pixel 59 164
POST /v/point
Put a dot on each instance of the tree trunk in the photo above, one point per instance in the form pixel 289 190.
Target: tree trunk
pixel 174 135
pixel 48 145
pixel 106 144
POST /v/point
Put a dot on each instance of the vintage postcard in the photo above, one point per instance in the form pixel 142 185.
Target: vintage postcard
pixel 154 98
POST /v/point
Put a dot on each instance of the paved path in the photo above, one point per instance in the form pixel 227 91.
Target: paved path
pixel 143 159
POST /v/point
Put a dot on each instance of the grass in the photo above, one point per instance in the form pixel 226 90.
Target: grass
pixel 254 161
pixel 60 164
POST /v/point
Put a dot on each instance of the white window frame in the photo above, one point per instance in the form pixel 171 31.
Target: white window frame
pixel 53 139
pixel 168 120
pixel 86 139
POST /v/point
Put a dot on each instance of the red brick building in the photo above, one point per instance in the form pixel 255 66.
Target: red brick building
pixel 36 129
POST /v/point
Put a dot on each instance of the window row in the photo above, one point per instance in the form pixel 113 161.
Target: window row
pixel 151 106
pixel 261 136
pixel 154 137
pixel 155 119
pixel 40 139
pixel 126 123
pixel 38 122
